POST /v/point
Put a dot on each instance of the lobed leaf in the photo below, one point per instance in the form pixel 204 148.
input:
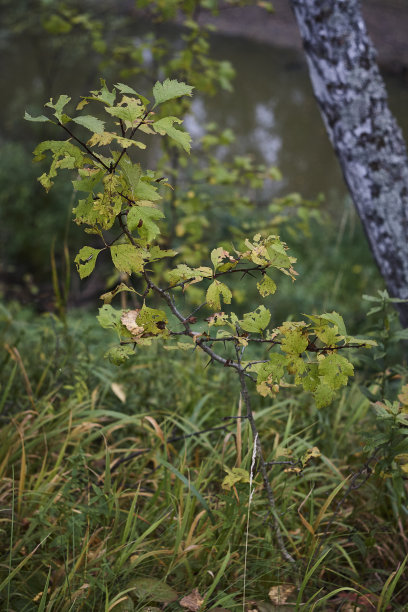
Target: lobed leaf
pixel 170 89
pixel 85 260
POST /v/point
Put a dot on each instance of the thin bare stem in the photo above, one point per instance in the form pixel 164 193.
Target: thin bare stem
pixel 262 464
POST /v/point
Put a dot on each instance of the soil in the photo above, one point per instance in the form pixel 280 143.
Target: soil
pixel 386 21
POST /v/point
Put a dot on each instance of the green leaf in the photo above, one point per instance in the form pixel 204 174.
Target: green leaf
pixel 108 297
pixel 143 219
pixel 89 179
pixel 335 370
pixel 165 126
pixel 170 89
pixel 214 293
pixel 294 342
pixel 85 212
pixel 65 155
pixel 157 253
pixel 336 319
pixel 277 256
pixel 256 321
pixel 323 395
pixel 266 286
pixel 125 89
pixel 273 370
pixel 91 123
pixel 85 260
pixel 127 258
pixel 146 191
pixel 132 174
pixel 234 476
pixel 109 317
pixel 59 106
pixel 104 95
pixel 40 118
pixel 130 110
pixel 119 354
pixel 152 320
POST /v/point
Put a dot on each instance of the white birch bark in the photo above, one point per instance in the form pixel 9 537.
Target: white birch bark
pixel 367 140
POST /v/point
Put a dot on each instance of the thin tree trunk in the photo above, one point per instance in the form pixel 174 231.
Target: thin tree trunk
pixel 366 138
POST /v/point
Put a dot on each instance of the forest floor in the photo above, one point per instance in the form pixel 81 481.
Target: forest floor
pixel 386 20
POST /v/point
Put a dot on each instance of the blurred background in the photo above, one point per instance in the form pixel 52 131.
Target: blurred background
pixel 253 119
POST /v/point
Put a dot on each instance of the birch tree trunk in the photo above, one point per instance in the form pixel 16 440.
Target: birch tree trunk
pixel 366 138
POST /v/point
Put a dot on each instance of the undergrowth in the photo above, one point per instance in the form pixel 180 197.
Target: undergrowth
pixel 112 499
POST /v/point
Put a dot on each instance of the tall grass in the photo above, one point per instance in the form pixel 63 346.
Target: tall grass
pixel 111 500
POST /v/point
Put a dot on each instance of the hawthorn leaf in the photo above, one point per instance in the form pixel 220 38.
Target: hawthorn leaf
pixel 311 380
pixel 256 321
pixel 143 219
pixel 129 110
pixel 128 319
pixel 170 89
pixel 214 293
pixel 85 212
pixel 85 260
pixel 39 118
pixel 125 143
pixel 157 253
pixel 101 140
pixel 266 286
pixel 166 126
pixel 89 179
pixel 273 370
pixel 103 95
pixel 125 89
pixel 323 395
pixel 91 123
pixel 59 105
pixel 234 476
pixel 336 319
pixel 335 370
pixel 153 321
pixel 277 256
pixel 294 342
pixel 127 258
pixel 109 295
pixel 119 354
pixel 132 173
pixel 146 191
pixel 109 317
pixel 65 155
pixel 181 273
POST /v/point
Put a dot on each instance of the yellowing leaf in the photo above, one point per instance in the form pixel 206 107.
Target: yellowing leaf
pixel 234 476
pixel 256 321
pixel 214 293
pixel 85 260
pixel 335 370
pixel 127 258
pixel 266 286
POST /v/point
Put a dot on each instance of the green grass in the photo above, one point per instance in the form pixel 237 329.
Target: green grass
pixel 83 528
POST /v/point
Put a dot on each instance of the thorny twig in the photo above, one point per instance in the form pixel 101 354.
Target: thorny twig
pixel 263 467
